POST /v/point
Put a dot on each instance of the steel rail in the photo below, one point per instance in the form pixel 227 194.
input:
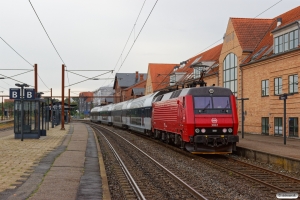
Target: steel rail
pixel 132 182
pixel 188 187
pixel 244 175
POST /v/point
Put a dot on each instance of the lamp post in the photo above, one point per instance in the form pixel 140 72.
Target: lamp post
pixel 243 117
pixel 52 113
pixel 284 98
pixel 2 107
pixel 39 95
pixel 22 110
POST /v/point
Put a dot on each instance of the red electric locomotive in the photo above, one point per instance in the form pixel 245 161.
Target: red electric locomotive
pixel 202 120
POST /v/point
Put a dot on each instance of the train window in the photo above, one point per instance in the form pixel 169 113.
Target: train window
pixel 175 94
pixel 202 102
pixel 183 102
pixel 212 102
pixel 221 102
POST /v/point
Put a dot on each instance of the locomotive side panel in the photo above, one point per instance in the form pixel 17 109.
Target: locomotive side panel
pixel 165 116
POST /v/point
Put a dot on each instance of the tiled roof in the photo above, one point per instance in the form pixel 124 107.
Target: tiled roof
pixel 265 47
pixel 128 79
pixel 212 54
pixel 250 31
pixel 159 74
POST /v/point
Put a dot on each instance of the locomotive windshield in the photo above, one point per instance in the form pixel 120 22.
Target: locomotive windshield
pixel 208 104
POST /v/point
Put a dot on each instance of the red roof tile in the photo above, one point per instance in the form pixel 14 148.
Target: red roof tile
pixel 212 54
pixel 160 74
pixel 267 41
pixel 250 31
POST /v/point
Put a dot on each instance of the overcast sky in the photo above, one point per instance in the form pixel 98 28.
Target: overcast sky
pixel 91 35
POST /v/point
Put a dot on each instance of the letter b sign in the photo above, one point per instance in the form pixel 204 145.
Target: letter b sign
pixel 29 93
pixel 14 93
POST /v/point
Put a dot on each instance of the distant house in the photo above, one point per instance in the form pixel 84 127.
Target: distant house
pixel 158 76
pixel 103 95
pixel 136 90
pixel 125 80
pixel 85 102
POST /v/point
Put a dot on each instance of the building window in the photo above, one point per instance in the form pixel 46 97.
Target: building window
pixel 230 73
pixel 293 127
pixel 172 79
pixel 278 125
pixel 265 125
pixel 277 86
pixel 197 72
pixel 293 83
pixel 265 88
pixel 286 42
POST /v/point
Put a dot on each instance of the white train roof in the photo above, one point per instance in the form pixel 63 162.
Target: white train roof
pixel 145 101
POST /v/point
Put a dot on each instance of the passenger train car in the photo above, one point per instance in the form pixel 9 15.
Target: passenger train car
pixel 201 120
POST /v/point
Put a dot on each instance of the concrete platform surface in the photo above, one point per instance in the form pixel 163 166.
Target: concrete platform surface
pixel 271 144
pixel 55 166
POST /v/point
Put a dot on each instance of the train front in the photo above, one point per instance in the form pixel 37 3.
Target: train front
pixel 215 126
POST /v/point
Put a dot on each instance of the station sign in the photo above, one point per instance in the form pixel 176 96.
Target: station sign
pixel 283 97
pixel 29 93
pixel 14 93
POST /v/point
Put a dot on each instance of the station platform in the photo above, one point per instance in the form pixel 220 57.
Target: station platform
pixel 65 164
pixel 271 149
pixel 6 121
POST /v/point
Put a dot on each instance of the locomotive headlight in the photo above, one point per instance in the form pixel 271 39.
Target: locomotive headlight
pixel 203 130
pixel 224 130
pixel 197 130
pixel 230 130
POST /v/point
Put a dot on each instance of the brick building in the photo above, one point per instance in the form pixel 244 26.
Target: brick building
pixel 270 71
pixel 85 102
pixel 123 81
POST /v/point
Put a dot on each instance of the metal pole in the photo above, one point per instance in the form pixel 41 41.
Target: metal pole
pixel 2 109
pixel 243 118
pixel 43 117
pixel 35 79
pixel 52 117
pixel 47 114
pixel 22 112
pixel 63 98
pixel 284 119
pixel 69 114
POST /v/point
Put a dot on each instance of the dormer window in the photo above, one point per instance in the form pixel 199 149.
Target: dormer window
pixel 197 71
pixel 285 40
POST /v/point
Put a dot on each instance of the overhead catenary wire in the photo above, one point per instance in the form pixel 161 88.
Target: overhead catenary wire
pixel 138 35
pixel 49 38
pixel 220 40
pixel 23 59
pixel 231 32
pixel 133 28
pixel 134 38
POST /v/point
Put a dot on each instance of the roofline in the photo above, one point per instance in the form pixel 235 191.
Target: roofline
pixel 287 25
pixel 270 57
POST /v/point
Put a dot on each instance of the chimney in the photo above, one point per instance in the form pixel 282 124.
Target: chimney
pixel 279 20
pixel 141 77
pixel 136 75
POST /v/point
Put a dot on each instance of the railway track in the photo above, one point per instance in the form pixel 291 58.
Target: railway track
pixel 267 180
pixel 260 179
pixel 264 179
pixel 140 176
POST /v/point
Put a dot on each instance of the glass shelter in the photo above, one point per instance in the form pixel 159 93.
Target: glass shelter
pixel 34 123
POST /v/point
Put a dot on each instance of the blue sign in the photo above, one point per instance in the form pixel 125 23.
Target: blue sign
pixel 14 93
pixel 29 93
